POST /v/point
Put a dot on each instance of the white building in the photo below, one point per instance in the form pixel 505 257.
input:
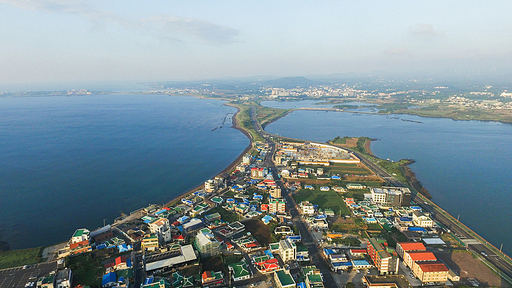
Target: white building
pixel 207 245
pixel 307 208
pixel 391 196
pixel 80 235
pixel 210 185
pixel 162 229
pixel 287 250
pixel 421 220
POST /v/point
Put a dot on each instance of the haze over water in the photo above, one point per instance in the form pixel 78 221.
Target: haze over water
pixel 70 162
pixel 465 165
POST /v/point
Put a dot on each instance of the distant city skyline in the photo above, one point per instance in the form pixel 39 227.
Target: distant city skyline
pixel 78 40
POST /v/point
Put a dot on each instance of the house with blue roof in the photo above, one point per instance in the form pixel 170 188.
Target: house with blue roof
pixel 109 280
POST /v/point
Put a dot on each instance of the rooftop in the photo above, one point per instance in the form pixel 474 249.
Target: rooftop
pixel 399 281
pixel 422 256
pixel 412 246
pixel 285 278
pixel 430 266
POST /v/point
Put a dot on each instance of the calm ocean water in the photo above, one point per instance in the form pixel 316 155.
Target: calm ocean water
pixel 71 162
pixel 464 164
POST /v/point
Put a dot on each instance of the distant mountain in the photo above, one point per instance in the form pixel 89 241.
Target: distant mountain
pixel 292 82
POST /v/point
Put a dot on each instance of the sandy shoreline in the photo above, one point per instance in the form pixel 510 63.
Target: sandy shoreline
pixel 225 170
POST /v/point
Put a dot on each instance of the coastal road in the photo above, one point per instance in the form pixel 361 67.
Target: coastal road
pixel 456 228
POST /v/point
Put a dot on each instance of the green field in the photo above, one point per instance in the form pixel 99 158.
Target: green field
pixel 266 115
pixel 324 200
pixel 16 258
pixel 87 270
pixel 225 215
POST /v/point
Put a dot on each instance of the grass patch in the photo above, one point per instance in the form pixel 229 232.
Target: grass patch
pixel 339 140
pixel 226 215
pixel 213 263
pixel 86 270
pixel 16 258
pixel 243 120
pixel 230 259
pixel 324 200
pixel 265 115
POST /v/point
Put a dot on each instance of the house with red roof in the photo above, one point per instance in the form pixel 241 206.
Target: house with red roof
pixel 430 271
pixel 212 278
pixel 267 266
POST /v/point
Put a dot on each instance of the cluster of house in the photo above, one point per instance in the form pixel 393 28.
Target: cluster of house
pixel 390 207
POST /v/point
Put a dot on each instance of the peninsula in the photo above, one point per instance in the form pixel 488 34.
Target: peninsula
pixel 288 211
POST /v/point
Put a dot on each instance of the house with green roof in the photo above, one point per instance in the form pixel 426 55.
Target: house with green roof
pixel 212 217
pixel 239 271
pixel 217 200
pixel 284 279
pixel 162 283
pixel 199 209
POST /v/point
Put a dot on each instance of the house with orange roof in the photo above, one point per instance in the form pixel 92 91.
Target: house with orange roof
pixel 414 256
pixel 401 247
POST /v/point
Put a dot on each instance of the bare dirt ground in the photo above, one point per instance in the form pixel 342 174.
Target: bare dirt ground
pixel 259 230
pixel 467 266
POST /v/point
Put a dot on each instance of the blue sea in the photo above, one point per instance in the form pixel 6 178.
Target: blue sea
pixel 465 165
pixel 68 162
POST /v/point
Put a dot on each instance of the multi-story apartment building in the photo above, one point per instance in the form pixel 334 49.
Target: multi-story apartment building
pixel 382 259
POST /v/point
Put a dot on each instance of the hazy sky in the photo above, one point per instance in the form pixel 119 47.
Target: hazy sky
pixel 89 40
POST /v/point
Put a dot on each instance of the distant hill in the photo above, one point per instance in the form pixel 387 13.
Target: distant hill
pixel 292 82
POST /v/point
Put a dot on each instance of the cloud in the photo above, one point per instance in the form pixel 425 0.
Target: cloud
pixel 424 31
pixel 167 27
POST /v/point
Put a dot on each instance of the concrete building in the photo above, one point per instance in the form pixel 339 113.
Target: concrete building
pixel 284 279
pixel 306 208
pixel 402 247
pixel 414 256
pixel 210 185
pixel 430 271
pixel 150 242
pixel 275 193
pixel 207 245
pixel 277 205
pixel 421 220
pixel 80 235
pixel 287 250
pixel 391 196
pixel 258 172
pixel 162 229
pixel 382 259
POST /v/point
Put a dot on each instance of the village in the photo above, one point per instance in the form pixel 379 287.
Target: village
pixel 239 230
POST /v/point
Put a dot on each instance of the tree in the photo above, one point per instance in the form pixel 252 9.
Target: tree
pixel 350 285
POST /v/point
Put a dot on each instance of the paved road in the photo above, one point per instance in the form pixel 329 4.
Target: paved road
pixel 307 238
pixel 18 277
